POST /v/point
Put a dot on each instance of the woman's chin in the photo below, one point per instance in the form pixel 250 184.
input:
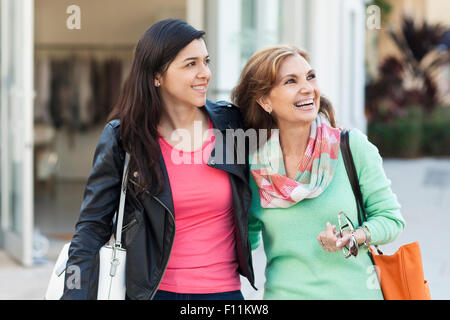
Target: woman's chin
pixel 200 102
pixel 305 113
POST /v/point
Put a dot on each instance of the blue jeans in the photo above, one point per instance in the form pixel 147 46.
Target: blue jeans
pixel 230 295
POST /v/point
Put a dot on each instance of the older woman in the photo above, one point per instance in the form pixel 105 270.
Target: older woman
pixel 300 185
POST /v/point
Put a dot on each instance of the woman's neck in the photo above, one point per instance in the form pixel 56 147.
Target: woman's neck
pixel 180 117
pixel 184 127
pixel 294 139
pixel 293 142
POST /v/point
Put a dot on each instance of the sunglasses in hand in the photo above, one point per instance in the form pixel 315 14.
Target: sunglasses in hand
pixel 345 224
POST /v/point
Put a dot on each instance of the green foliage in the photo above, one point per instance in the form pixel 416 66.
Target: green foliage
pixel 436 133
pixel 401 137
pixel 413 135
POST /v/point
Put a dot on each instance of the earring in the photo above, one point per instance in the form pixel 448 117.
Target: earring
pixel 270 109
pixel 157 84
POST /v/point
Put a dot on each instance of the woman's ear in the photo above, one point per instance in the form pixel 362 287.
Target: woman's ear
pixel 157 81
pixel 262 101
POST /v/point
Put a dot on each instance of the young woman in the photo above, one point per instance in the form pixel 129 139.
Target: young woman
pixel 184 239
pixel 300 185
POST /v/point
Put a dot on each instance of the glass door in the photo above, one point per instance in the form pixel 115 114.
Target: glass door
pixel 16 130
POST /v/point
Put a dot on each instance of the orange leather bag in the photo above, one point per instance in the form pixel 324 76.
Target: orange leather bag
pixel 401 274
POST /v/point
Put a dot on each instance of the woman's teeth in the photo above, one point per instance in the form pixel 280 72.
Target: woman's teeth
pixel 307 104
pixel 199 88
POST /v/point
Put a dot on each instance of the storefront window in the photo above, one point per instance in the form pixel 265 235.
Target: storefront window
pixel 1 149
pixel 249 30
pixel 16 96
pixel 260 26
pixel 11 165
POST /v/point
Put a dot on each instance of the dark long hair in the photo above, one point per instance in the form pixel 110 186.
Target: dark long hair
pixel 139 104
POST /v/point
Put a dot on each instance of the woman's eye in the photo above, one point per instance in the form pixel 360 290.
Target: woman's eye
pixel 311 76
pixel 190 64
pixel 290 81
pixel 208 61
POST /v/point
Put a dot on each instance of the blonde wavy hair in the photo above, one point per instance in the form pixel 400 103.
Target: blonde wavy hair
pixel 257 80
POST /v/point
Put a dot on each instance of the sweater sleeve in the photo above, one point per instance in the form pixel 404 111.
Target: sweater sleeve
pixel 254 224
pixel 384 219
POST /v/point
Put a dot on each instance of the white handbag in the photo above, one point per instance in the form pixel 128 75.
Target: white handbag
pixel 111 281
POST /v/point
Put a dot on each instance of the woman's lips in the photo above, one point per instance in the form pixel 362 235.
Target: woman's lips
pixel 200 88
pixel 305 104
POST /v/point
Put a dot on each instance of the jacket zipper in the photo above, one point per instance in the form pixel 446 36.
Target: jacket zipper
pixel 130 224
pixel 171 246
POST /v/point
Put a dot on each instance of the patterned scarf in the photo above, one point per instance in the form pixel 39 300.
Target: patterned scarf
pixel 314 174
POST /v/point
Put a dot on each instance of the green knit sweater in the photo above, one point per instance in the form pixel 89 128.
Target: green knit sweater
pixel 297 267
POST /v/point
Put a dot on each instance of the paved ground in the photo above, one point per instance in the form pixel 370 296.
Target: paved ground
pixel 423 189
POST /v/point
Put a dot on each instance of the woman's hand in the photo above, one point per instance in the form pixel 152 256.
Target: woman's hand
pixel 360 237
pixel 331 241
pixel 328 238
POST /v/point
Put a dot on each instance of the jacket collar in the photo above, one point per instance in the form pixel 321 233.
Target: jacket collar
pixel 219 115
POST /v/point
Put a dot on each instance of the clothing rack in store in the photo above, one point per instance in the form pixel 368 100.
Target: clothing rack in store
pixel 77 84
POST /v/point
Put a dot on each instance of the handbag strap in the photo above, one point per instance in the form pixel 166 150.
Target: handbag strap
pixel 352 176
pixel 118 240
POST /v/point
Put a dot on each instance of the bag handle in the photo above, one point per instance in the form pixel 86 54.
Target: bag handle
pixel 118 240
pixel 352 176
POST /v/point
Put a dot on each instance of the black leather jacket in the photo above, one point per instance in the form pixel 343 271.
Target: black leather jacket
pixel 149 221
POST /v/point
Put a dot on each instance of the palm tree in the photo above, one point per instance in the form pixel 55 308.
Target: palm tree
pixel 408 81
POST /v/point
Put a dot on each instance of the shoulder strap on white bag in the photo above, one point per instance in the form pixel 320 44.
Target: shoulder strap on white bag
pixel 123 192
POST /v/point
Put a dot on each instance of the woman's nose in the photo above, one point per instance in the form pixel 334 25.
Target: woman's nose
pixel 204 72
pixel 306 88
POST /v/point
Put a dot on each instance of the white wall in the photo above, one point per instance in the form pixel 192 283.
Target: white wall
pixel 102 21
pixel 351 105
pixel 324 46
pixel 16 128
pixel 335 41
pixel 195 13
pixel 223 27
pixel 438 11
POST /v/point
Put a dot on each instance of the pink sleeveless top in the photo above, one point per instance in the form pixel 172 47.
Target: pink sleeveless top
pixel 203 258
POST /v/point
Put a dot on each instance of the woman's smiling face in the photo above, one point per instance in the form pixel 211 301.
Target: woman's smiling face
pixel 186 80
pixel 295 96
